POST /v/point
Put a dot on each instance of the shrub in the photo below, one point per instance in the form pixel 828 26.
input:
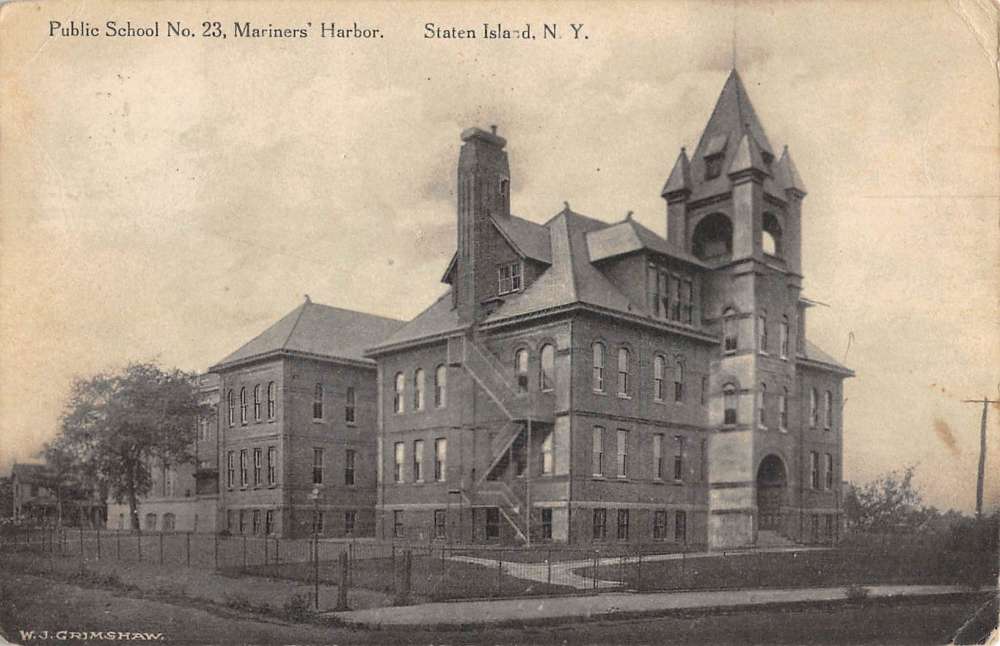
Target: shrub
pixel 856 592
pixel 238 601
pixel 297 608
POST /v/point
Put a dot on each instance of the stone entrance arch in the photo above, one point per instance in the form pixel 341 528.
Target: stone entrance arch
pixel 772 483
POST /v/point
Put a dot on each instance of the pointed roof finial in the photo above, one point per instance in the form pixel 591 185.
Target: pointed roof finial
pixel 493 129
pixel 566 206
pixel 628 216
pixel 308 300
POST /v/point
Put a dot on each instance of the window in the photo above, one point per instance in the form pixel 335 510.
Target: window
pixel 398 453
pixel 521 368
pixel 547 374
pixel 783 410
pixel 243 405
pixel 659 364
pixel 679 380
pixel 318 402
pixel 704 461
pixel 509 278
pixel 256 466
pixel 761 409
pixel 229 520
pixel 814 469
pixel 762 333
pixel 675 298
pixel 713 166
pixel 597 381
pixel 656 291
pixel 704 391
pixel 440 523
pixel 600 524
pixel 730 331
pixel 813 408
pixel 256 403
pixel 659 525
pixel 231 400
pixel 598 454
pixel 440 459
pixel 418 460
pixel 623 372
pixel 243 468
pixel 783 337
pixel 230 470
pixel 829 472
pixel 317 466
pixel 349 458
pixel 679 458
pixel 318 522
pixel 397 523
pixel 547 455
pixel 440 385
pixel 418 389
pixel 270 400
pixel 546 524
pixel 350 401
pixel 269 522
pixel 242 521
pixel 255 522
pixel 687 307
pixel 680 526
pixel 399 384
pixel 622 453
pixel 272 461
pixel 492 524
pixel 658 456
pixel 168 522
pixel 831 527
pixel 827 410
pixel 150 522
pixel 729 398
pixel 350 520
pixel 623 524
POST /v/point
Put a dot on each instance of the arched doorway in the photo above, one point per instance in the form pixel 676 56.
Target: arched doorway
pixel 771 484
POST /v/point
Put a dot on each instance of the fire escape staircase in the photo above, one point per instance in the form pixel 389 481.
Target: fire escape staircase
pixel 517 406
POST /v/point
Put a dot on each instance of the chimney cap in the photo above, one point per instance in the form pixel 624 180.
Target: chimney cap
pixel 487 137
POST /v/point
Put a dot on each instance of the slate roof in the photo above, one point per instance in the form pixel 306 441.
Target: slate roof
pixel 629 236
pixel 814 353
pixel 319 330
pixel 528 238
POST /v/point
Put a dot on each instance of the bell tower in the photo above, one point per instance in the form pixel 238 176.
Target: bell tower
pixel 737 207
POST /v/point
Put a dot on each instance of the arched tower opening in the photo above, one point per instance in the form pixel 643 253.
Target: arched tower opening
pixel 771 235
pixel 772 483
pixel 713 237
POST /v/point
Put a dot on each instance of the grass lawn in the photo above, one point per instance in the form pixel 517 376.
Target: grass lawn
pixel 806 569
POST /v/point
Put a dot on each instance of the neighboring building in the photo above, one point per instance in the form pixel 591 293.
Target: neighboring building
pixel 298 413
pixel 41 496
pixel 183 497
pixel 585 381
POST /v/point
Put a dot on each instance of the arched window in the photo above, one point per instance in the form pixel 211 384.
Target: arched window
pixel 729 400
pixel 231 401
pixel 399 385
pixel 547 374
pixel 762 405
pixel 783 409
pixel 771 235
pixel 813 407
pixel 521 369
pixel 270 400
pixel 243 405
pixel 318 402
pixel 659 366
pixel 783 337
pixel 418 389
pixel 597 381
pixel 827 410
pixel 762 331
pixel 679 379
pixel 150 522
pixel 623 357
pixel 440 386
pixel 256 402
pixel 730 331
pixel 350 403
pixel 713 237
pixel 168 522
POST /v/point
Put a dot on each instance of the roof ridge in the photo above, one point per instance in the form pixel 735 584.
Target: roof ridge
pixel 302 309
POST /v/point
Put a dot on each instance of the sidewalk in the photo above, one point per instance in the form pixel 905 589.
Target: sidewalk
pixel 561 609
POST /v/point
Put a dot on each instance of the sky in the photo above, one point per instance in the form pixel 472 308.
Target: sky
pixel 167 198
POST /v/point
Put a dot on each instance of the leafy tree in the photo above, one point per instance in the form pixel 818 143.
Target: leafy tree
pixel 117 426
pixel 890 502
pixel 6 498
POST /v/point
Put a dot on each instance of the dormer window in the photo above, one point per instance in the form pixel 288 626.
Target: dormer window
pixel 713 166
pixel 509 278
pixel 767 157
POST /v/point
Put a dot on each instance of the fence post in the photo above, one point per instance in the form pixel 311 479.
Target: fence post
pixel 244 552
pixel 499 572
pixel 118 546
pixel 187 549
pixel 265 551
pixel 596 558
pixel 98 542
pixel 342 583
pixel 277 550
pixel 548 561
pixel 638 572
pixel 215 549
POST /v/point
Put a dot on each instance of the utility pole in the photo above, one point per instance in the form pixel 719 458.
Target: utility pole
pixel 982 450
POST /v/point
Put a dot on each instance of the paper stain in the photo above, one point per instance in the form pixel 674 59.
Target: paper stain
pixel 946 435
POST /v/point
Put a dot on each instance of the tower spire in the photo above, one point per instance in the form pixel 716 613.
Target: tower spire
pixel 733 65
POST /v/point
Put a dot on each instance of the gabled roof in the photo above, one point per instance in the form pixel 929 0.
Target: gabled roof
pixel 317 330
pixel 528 239
pixel 735 132
pixel 629 236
